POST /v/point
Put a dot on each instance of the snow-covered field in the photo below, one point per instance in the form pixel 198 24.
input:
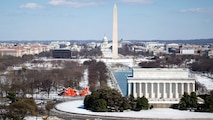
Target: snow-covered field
pixel 207 82
pixel 77 107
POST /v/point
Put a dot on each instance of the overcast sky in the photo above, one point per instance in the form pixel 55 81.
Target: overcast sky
pixel 92 19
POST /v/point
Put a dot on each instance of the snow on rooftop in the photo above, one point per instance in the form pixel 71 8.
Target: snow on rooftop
pixel 207 82
pixel 77 107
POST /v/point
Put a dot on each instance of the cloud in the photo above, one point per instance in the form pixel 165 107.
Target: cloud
pixel 197 10
pixel 31 6
pixel 73 3
pixel 137 1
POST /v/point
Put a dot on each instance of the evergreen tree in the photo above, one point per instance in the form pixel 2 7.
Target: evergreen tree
pixel 19 109
pixel 100 105
pixel 143 103
pixel 193 100
pixel 184 101
pixel 12 96
pixel 125 104
pixel 106 99
pixel 131 97
pixel 188 101
pixel 209 102
pixel 139 103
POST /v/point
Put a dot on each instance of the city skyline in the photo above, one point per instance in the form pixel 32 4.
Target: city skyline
pixel 92 19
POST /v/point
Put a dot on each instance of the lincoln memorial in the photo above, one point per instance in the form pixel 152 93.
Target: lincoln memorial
pixel 156 84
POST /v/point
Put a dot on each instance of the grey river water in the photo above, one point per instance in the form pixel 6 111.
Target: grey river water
pixel 121 77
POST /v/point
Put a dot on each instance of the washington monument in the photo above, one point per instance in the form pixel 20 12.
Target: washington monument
pixel 115 33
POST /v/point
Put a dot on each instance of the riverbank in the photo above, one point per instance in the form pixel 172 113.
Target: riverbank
pixel 112 82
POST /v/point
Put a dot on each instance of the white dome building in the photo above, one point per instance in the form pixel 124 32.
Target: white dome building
pixel 105 40
pixel 106 48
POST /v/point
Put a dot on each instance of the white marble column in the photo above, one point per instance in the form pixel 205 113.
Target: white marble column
pixel 158 90
pixel 152 92
pixel 170 91
pixel 134 90
pixel 164 90
pixel 140 92
pixel 188 88
pixel 146 93
pixel 193 87
pixel 129 86
pixel 182 88
pixel 176 90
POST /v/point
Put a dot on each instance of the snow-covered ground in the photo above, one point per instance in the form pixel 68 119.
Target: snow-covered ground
pixel 77 107
pixel 84 82
pixel 40 118
pixel 33 118
pixel 207 82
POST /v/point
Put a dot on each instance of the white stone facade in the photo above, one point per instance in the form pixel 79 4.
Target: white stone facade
pixel 156 84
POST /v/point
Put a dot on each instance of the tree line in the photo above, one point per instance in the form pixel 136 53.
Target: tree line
pixel 97 74
pixel 20 107
pixel 196 63
pixel 64 74
pixel 6 61
pixel 29 81
pixel 17 84
pixel 190 102
pixel 203 65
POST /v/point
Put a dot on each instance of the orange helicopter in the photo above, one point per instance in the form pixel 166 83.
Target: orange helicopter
pixel 72 92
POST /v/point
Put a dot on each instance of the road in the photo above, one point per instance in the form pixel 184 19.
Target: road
pixel 74 116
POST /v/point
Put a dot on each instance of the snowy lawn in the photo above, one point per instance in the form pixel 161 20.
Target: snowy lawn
pixel 77 107
pixel 207 82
